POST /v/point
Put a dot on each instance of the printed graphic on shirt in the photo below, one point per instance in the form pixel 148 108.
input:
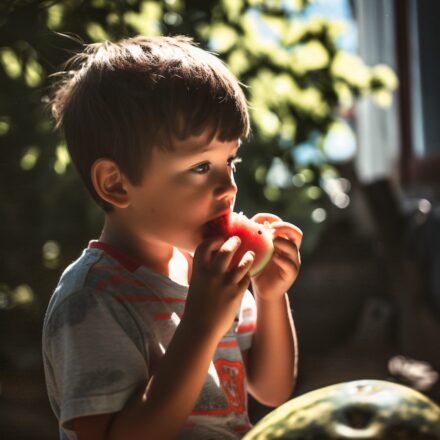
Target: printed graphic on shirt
pixel 74 311
pixel 212 401
pixel 231 374
pixel 102 378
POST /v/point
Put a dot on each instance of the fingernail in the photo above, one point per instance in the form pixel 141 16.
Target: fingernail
pixel 237 239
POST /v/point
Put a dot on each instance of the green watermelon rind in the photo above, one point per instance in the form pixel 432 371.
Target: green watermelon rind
pixel 314 414
pixel 259 268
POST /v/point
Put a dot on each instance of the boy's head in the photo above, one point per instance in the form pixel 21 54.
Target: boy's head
pixel 122 100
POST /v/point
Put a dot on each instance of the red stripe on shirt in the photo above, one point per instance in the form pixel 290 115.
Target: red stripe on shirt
pixel 149 298
pixel 246 328
pixel 128 262
pixel 243 428
pixel 227 344
pixel 211 412
pixel 118 280
pixel 108 267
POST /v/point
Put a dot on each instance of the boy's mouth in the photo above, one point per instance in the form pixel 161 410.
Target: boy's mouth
pixel 216 226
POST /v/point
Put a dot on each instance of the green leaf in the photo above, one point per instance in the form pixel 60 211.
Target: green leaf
pixel 62 159
pixel 386 76
pixel 96 32
pixel 55 14
pixel 34 73
pixel 5 125
pixel 293 32
pixel 222 37
pixel 147 21
pixel 309 56
pixel 233 9
pixel 238 61
pixel 351 69
pixel 11 63
pixel 30 157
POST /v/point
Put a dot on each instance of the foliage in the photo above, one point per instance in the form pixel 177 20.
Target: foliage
pixel 296 79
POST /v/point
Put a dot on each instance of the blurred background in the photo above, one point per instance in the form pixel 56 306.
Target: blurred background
pixel 344 98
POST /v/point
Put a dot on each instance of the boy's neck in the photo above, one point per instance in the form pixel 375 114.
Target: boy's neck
pixel 157 256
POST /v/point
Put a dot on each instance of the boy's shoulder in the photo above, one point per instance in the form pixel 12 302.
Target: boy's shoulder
pixel 103 273
pixel 80 274
pixel 88 290
pixel 91 273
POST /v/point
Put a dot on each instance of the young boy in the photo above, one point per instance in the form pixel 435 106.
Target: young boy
pixel 149 333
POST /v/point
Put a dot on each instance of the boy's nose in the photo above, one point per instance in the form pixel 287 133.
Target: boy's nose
pixel 226 187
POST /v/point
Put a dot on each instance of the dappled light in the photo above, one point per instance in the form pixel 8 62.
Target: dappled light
pixel 338 148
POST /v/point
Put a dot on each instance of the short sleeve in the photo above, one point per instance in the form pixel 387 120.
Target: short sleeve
pixel 95 357
pixel 247 321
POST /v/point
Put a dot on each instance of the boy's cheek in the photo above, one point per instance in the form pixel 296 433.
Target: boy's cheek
pixel 180 236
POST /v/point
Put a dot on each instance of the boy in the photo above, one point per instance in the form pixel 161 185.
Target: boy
pixel 150 334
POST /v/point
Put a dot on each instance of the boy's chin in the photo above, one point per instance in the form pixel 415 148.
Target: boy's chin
pixel 192 242
pixel 190 245
pixel 187 248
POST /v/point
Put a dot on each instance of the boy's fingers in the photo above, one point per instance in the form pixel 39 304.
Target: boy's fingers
pixel 292 254
pixel 265 217
pixel 242 270
pixel 286 263
pixel 289 231
pixel 226 252
pixel 287 247
pixel 280 227
pixel 205 250
pixel 244 283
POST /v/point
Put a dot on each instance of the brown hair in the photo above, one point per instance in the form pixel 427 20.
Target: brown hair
pixel 118 100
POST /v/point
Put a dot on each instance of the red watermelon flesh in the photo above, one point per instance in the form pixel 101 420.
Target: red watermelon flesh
pixel 254 237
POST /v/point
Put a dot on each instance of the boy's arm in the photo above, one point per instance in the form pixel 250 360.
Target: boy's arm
pixel 171 394
pixel 213 298
pixel 271 362
pixel 272 359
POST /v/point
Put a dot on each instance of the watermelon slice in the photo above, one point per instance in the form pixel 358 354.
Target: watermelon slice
pixel 254 237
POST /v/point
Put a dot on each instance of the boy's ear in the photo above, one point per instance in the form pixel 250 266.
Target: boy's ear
pixel 110 183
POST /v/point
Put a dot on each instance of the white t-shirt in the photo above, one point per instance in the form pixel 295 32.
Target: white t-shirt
pixel 108 318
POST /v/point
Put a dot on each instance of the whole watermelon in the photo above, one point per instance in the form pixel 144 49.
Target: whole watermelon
pixel 364 409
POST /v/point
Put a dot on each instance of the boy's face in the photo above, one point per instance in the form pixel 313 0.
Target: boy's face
pixel 182 190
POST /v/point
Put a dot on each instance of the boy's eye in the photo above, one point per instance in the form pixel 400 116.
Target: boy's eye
pixel 205 167
pixel 201 169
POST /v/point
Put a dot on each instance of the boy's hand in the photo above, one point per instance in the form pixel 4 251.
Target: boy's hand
pixel 215 290
pixel 281 272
